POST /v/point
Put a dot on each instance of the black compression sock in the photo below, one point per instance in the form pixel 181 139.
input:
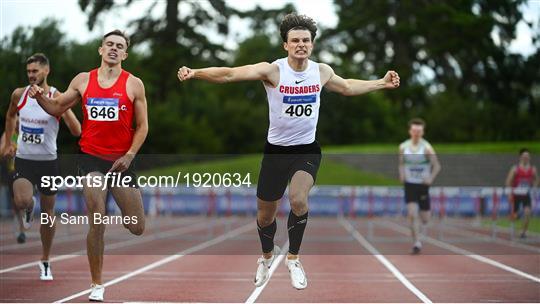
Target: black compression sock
pixel 296 226
pixel 266 234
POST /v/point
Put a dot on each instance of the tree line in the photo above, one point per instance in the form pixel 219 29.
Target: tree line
pixel 464 82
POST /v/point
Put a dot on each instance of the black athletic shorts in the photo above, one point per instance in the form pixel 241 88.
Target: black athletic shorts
pixel 279 164
pixel 418 193
pixel 520 200
pixel 34 170
pixel 88 163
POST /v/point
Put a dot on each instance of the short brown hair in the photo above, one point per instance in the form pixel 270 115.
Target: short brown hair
pixel 39 58
pixel 523 150
pixel 417 121
pixel 117 33
pixel 293 21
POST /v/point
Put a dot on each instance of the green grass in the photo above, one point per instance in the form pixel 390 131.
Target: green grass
pixel 444 148
pixel 534 224
pixel 337 173
pixel 330 173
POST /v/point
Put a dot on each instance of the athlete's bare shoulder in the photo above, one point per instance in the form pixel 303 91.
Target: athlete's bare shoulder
pixel 271 72
pixel 326 71
pixel 81 77
pixel 134 87
pixel 270 67
pixel 80 82
pixel 17 93
pixel 134 80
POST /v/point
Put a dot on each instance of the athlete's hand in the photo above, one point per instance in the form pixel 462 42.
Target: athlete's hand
pixel 185 73
pixel 428 181
pixel 123 163
pixel 391 80
pixel 8 151
pixel 35 91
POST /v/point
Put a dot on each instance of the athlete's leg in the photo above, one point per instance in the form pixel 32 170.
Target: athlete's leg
pixel 414 221
pixel 266 225
pixel 425 216
pixel 270 188
pixel 95 203
pixel 301 183
pixel 22 193
pixel 130 202
pixel 526 219
pixel 47 232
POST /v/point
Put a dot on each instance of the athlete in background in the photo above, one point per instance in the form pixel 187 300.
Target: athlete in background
pixel 418 168
pixel 35 151
pixel 521 179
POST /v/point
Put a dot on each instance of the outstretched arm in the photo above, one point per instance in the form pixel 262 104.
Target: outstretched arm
pixel 58 105
pixel 261 71
pixel 352 87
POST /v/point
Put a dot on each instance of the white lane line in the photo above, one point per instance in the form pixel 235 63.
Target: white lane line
pixel 357 236
pixel 144 239
pixel 168 259
pixel 467 253
pixel 257 291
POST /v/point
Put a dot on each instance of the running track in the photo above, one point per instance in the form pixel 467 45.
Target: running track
pixel 200 259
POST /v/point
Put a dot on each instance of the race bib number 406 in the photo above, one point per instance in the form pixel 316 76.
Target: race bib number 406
pixel 33 136
pixel 102 109
pixel 299 106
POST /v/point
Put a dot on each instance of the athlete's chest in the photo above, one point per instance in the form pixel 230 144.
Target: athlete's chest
pixel 33 113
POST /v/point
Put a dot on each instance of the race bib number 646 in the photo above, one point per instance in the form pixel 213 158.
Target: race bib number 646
pixel 102 109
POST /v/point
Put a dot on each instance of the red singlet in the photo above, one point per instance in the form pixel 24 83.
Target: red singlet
pixel 107 128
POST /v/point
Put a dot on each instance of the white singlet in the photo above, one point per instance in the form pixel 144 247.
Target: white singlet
pixel 416 163
pixel 37 129
pixel 294 105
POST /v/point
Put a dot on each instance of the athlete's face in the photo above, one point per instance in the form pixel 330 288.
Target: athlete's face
pixel 113 50
pixel 525 157
pixel 299 44
pixel 37 73
pixel 416 131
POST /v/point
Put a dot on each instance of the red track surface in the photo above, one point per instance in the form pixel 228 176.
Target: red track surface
pixel 339 267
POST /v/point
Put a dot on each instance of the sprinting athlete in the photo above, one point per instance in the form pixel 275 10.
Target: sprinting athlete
pixel 113 101
pixel 291 155
pixel 521 179
pixel 418 167
pixel 35 152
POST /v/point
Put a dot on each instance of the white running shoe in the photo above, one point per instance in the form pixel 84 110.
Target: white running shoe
pixel 45 271
pixel 96 295
pixel 297 273
pixel 263 270
pixel 417 247
pixel 28 215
